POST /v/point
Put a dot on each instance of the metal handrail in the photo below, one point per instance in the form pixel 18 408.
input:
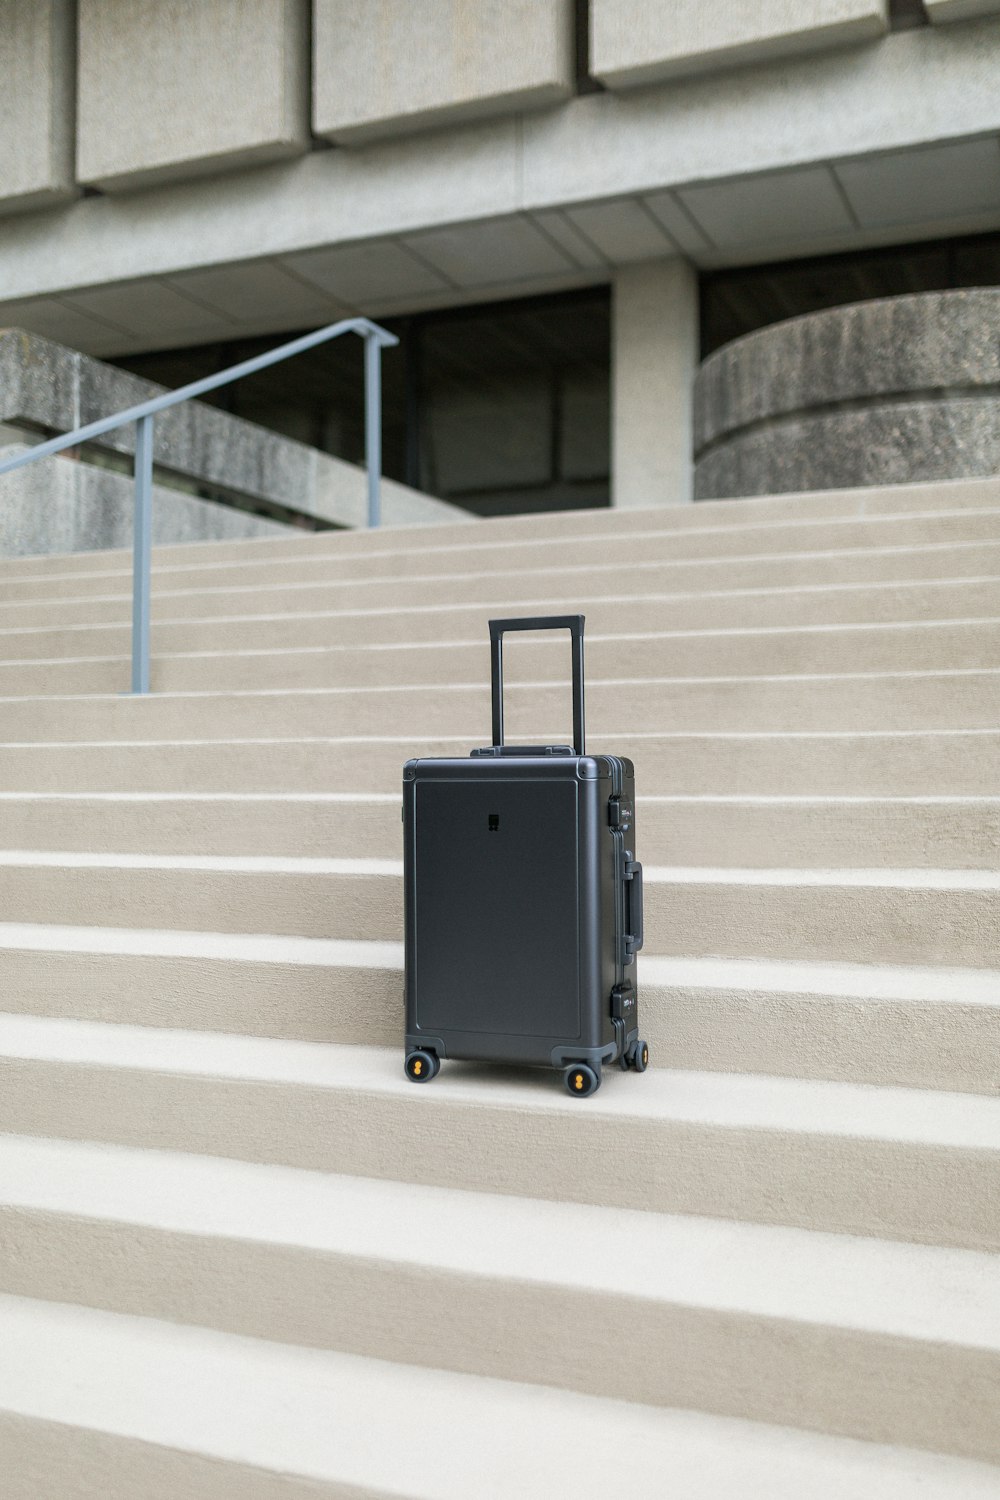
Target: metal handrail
pixel 375 338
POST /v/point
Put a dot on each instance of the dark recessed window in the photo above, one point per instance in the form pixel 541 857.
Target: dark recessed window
pixel 502 407
pixel 735 302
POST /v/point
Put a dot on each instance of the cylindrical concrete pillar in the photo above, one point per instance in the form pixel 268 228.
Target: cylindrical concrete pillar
pixel 892 391
pixel 654 360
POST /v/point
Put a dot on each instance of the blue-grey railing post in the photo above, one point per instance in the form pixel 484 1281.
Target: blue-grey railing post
pixel 373 426
pixel 142 539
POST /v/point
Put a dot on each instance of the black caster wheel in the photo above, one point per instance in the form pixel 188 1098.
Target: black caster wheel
pixel 421 1066
pixel 580 1079
pixel 638 1056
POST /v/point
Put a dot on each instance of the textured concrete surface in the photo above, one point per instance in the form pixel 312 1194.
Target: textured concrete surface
pixel 930 1159
pixel 644 150
pixel 898 1026
pixel 960 10
pixel 782 832
pixel 201 955
pixel 883 392
pixel 44 385
pixel 220 1417
pixel 384 67
pixel 60 506
pixel 654 360
pixel 913 763
pixel 633 42
pixel 706 1310
pixel 190 86
pixel 922 916
pixel 36 110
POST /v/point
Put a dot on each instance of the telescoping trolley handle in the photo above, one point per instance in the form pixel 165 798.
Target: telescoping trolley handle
pixel 572 623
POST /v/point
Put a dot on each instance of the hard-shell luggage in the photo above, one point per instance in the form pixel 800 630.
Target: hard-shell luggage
pixel 523 900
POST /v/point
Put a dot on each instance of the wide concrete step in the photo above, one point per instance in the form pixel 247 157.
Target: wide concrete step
pixel 889 500
pixel 965 699
pixel 232 618
pixel 928 1028
pixel 811 832
pixel 211 1416
pixel 704 1313
pixel 786 702
pixel 45 600
pixel 906 763
pixel 476 554
pixel 259 625
pixel 914 646
pixel 766 1150
pixel 870 915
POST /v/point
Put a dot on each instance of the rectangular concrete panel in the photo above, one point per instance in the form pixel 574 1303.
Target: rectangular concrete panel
pixel 633 42
pixel 177 88
pixel 36 103
pixel 960 10
pixel 383 67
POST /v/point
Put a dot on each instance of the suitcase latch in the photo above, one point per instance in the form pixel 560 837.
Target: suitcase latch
pixel 620 812
pixel 623 1002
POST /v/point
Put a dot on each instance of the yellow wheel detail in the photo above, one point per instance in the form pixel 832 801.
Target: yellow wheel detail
pixel 578 1081
pixel 420 1066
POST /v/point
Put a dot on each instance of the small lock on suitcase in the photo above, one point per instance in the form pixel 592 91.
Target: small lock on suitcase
pixel 523 900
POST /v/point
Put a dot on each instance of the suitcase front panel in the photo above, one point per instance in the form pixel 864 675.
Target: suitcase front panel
pixel 496 943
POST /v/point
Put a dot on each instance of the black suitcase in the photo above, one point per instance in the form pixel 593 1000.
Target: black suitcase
pixel 523 900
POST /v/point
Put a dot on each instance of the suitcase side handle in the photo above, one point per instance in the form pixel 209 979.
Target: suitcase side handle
pixel 572 623
pixel 634 935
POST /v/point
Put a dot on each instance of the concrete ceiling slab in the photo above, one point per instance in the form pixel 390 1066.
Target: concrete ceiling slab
pixel 355 273
pixel 569 239
pixel 900 187
pixel 247 293
pixel 781 206
pixel 496 250
pixel 53 319
pixel 150 310
pixel 678 224
pixel 622 230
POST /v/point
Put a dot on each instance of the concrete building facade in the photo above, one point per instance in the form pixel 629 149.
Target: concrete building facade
pixel 191 175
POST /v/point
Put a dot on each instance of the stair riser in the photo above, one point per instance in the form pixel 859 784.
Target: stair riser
pixel 910 1044
pixel 937 700
pixel 875 1387
pixel 76 1463
pixel 914 765
pixel 820 835
pixel 892 1190
pixel 251 568
pixel 307 617
pixel 864 924
pixel 901 648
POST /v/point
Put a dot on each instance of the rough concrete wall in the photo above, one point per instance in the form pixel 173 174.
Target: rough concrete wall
pixel 43 385
pixel 384 64
pixel 61 506
pixel 883 392
pixel 36 103
pixel 634 42
pixel 170 88
pixel 654 359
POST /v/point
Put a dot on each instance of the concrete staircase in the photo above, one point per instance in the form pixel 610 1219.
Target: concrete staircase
pixel 240 1256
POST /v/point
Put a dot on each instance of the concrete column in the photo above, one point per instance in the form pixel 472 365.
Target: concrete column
pixel 654 359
